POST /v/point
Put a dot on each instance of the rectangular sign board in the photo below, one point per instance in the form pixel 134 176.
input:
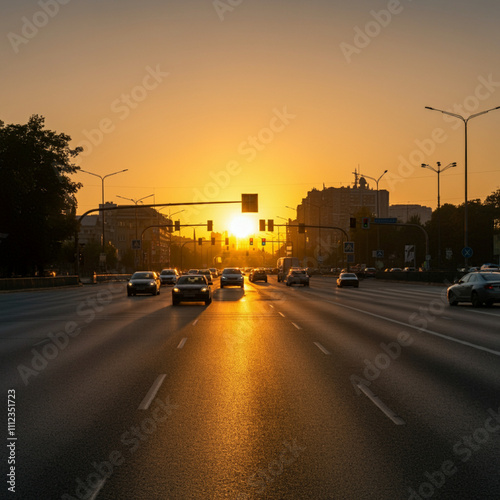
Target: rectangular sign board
pixel 386 220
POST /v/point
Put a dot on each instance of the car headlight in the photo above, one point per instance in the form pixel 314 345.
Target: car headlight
pixel 129 284
pixel 176 290
pixel 223 277
pixel 205 289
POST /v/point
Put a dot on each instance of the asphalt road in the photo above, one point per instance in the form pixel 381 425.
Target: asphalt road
pixel 382 392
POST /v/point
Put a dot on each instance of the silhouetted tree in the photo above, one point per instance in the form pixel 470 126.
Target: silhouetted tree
pixel 38 197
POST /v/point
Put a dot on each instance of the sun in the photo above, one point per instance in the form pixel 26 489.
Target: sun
pixel 242 226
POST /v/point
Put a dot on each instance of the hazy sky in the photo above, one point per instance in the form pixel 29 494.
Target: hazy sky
pixel 204 100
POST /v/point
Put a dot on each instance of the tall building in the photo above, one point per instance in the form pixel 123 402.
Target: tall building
pixel 405 212
pixel 335 207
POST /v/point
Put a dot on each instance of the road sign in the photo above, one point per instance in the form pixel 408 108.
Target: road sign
pixel 467 252
pixel 136 244
pixel 350 258
pixel 349 247
pixel 380 254
pixel 385 220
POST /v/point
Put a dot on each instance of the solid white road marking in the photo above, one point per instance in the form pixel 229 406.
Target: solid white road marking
pixel 381 405
pixel 181 343
pixel 413 327
pixel 296 326
pixel 152 392
pixel 321 348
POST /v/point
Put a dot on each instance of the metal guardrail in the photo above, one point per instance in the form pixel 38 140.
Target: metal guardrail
pixel 35 282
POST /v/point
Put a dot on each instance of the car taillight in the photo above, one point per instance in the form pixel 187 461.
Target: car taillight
pixel 488 287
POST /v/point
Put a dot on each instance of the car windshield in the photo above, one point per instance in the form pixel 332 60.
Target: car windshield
pixel 192 280
pixel 142 276
pixel 167 272
pixel 231 271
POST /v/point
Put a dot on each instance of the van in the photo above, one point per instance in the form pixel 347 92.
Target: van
pixel 284 264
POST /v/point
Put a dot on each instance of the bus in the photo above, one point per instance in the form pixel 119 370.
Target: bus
pixel 284 264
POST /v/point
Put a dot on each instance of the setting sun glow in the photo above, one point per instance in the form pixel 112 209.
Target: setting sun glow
pixel 242 226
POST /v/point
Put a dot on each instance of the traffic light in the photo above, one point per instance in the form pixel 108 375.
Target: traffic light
pixel 263 242
pixel 200 241
pixel 251 241
pixel 177 225
pixel 262 225
pixel 270 225
pixel 365 222
pixel 210 225
pixel 249 203
pixel 213 241
pixel 352 222
pixel 227 242
pixel 302 227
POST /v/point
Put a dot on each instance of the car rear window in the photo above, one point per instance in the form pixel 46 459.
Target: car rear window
pixel 142 276
pixel 491 276
pixel 192 280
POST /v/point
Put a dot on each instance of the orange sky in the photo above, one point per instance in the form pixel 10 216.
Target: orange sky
pixel 202 101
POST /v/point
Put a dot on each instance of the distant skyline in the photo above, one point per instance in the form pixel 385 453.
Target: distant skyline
pixel 203 99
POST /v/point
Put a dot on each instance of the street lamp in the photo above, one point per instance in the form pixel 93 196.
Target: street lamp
pixel 465 120
pixel 438 172
pixel 136 222
pixel 102 191
pixel 376 181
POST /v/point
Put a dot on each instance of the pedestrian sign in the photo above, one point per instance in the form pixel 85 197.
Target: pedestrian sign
pixel 349 247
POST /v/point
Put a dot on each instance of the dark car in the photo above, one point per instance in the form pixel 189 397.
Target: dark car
pixel 144 282
pixel 191 288
pixel 297 276
pixel 258 274
pixel 208 274
pixel 477 288
pixel 231 276
pixel 347 279
pixel 169 276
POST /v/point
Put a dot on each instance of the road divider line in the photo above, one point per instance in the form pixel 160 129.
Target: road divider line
pixel 414 327
pixel 483 312
pixel 97 489
pixel 181 343
pixel 152 392
pixel 281 314
pixel 296 326
pixel 380 405
pixel 195 321
pixel 321 348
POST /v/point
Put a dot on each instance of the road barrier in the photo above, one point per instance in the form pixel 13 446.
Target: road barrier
pixel 35 282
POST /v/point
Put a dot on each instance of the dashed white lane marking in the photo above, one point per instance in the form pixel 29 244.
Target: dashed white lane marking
pixel 97 489
pixel 321 348
pixel 195 321
pixel 296 326
pixel 281 314
pixel 152 392
pixel 380 405
pixel 181 343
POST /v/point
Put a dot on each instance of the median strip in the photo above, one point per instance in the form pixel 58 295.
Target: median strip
pixel 151 393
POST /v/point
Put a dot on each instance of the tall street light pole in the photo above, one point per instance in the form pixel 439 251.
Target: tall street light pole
pixel 136 221
pixel 279 247
pixel 102 192
pixel 438 172
pixel 376 182
pixel 465 120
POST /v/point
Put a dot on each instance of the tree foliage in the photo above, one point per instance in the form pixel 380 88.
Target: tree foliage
pixel 38 196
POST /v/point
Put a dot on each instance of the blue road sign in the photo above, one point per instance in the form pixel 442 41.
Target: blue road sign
pixel 385 220
pixel 467 252
pixel 380 254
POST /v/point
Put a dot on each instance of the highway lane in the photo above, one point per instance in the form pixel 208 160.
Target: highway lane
pixel 256 396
